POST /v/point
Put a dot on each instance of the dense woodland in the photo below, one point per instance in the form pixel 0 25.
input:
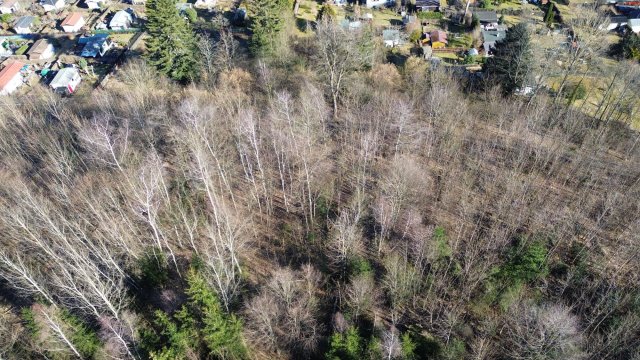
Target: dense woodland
pixel 318 203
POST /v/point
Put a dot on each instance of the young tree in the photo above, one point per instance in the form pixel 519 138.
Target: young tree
pixel 267 20
pixel 511 64
pixel 171 43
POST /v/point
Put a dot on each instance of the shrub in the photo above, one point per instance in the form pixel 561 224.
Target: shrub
pixel 526 263
pixel 6 18
pixel 430 15
pixel 191 14
pixel 576 92
pixel 153 268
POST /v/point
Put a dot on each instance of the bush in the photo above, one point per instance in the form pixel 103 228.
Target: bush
pixel 576 92
pixel 6 18
pixel 415 35
pixel 22 49
pixel 153 268
pixel 526 263
pixel 430 15
pixel 191 14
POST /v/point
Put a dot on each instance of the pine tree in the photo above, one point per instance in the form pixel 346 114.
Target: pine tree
pixel 510 66
pixel 550 16
pixel 171 43
pixel 266 22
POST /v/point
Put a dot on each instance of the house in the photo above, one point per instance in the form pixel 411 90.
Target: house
pixel 182 7
pixel 66 81
pixel 490 38
pixel 376 3
pixel 42 49
pixel 438 39
pixel 95 4
pixel 11 78
pixel 634 25
pixel 24 25
pixel 5 49
pixel 9 6
pixel 205 3
pixel 350 24
pixel 488 19
pixel 73 23
pixel 616 22
pixel 96 45
pixel 427 5
pixel 391 37
pixel 121 20
pixel 51 5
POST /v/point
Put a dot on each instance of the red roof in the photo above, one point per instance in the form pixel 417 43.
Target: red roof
pixel 438 36
pixel 72 19
pixel 9 72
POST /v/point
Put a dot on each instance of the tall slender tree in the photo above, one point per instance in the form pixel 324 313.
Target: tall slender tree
pixel 266 22
pixel 171 43
pixel 512 61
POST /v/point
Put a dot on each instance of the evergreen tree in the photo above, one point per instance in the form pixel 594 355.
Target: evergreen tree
pixel 511 64
pixel 630 45
pixel 550 16
pixel 266 22
pixel 171 43
pixel 326 11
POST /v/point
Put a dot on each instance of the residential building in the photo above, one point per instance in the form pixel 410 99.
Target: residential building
pixel 9 6
pixel 205 3
pixel 11 77
pixel 616 22
pixel 488 19
pixel 73 23
pixel 634 25
pixel 42 49
pixel 66 81
pixel 490 38
pixel 24 25
pixel 121 20
pixel 376 3
pixel 427 5
pixel 438 39
pixel 5 49
pixel 95 4
pixel 391 37
pixel 52 5
pixel 95 46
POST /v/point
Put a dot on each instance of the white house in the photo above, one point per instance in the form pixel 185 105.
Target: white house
pixel 634 25
pixel 42 49
pixel 121 20
pixel 376 3
pixel 616 22
pixel 73 23
pixel 391 37
pixel 10 78
pixel 66 81
pixel 95 4
pixel 51 5
pixel 9 6
pixel 205 3
pixel 24 25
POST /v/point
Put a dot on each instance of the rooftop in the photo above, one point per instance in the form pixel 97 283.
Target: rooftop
pixel 72 19
pixel 39 47
pixel 25 22
pixel 64 77
pixel 9 72
pixel 486 16
pixel 9 3
pixel 493 36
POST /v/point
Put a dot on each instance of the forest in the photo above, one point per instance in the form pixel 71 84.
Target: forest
pixel 317 202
